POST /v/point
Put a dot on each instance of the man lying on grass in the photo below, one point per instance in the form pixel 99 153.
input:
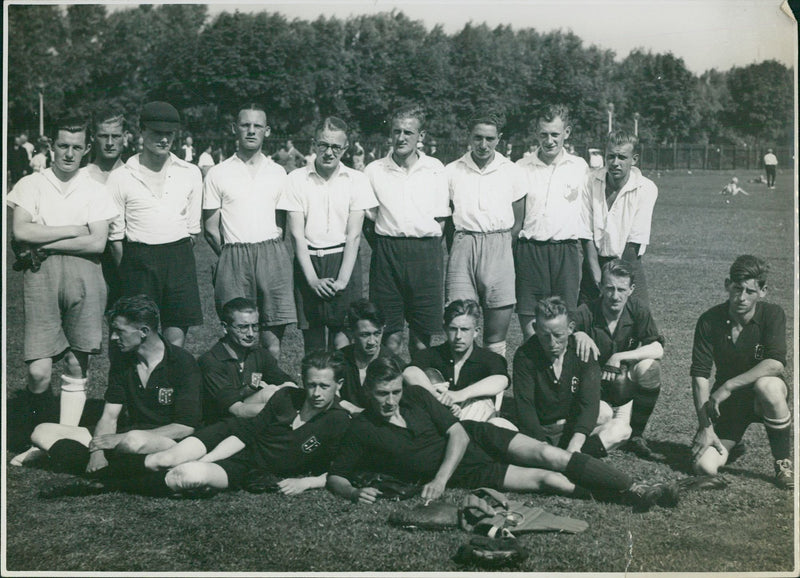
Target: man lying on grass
pixel 405 432
pixel 745 338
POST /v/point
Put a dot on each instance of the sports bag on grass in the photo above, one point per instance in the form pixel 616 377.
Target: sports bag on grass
pixel 490 552
pixel 433 516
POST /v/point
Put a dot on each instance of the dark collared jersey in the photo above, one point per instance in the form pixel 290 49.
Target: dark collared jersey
pixel 763 337
pixel 352 389
pixel 635 327
pixel 481 364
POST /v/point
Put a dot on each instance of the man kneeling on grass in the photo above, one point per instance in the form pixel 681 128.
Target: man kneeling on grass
pixel 405 432
pixel 293 439
pixel 157 382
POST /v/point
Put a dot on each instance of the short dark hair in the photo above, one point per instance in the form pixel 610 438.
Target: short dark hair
pixel 72 124
pixel 382 370
pixel 236 305
pixel 364 310
pixel 331 123
pixel 490 117
pixel 461 307
pixel 550 112
pixel 618 268
pixel 139 309
pixel 622 137
pixel 108 114
pixel 747 267
pixel 252 106
pixel 321 359
pixel 550 308
pixel 410 111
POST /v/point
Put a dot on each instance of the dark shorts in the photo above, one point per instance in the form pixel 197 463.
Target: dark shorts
pixel 261 272
pixel 406 278
pixel 236 468
pixel 484 462
pixel 736 414
pixel 111 275
pixel 167 274
pixel 544 269
pixel 330 313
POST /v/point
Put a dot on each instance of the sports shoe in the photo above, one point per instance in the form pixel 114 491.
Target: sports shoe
pixel 638 446
pixel 644 496
pixel 736 452
pixel 784 476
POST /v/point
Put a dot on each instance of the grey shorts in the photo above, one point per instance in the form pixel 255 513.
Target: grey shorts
pixel 546 268
pixel 481 267
pixel 64 303
pixel 262 272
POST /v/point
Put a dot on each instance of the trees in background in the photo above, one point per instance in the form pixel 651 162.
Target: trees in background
pixel 364 67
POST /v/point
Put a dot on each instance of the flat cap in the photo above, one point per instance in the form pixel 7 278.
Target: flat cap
pixel 160 116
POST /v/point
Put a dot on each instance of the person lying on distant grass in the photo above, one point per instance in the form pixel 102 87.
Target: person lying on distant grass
pixel 406 433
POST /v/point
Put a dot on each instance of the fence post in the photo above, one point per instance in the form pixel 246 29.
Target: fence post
pixel 689 159
pixel 705 157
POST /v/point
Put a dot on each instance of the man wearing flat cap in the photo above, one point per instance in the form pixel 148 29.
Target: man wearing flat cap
pixel 159 198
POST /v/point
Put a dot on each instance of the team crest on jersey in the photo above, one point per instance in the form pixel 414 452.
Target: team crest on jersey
pixel 165 396
pixel 310 445
pixel 758 353
pixel 574 384
pixel 255 380
pixel 631 343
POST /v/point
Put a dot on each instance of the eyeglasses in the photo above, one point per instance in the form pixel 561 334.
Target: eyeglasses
pixel 323 146
pixel 254 327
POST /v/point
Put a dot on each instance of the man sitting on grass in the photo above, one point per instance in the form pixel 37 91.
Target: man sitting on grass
pixel 473 376
pixel 621 334
pixel 294 438
pixel 239 375
pixel 745 338
pixel 158 383
pixel 405 432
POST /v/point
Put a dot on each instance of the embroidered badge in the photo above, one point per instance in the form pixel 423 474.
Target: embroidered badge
pixel 255 380
pixel 758 353
pixel 574 384
pixel 165 396
pixel 631 343
pixel 310 445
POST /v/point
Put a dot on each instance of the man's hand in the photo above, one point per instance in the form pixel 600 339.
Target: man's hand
pixel 715 400
pixel 366 495
pixel 105 442
pixel 339 286
pixel 433 489
pixel 323 288
pixel 97 461
pixel 609 373
pixel 292 486
pixel 585 347
pixel 703 439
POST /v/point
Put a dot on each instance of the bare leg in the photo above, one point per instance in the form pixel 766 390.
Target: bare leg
pixel 144 442
pixel 271 338
pixel 40 372
pixel 418 342
pixel 526 324
pixel 536 480
pixel 338 338
pixel 532 453
pixel 394 342
pixel 711 460
pixel 187 450
pixel 46 434
pixel 196 475
pixel 176 335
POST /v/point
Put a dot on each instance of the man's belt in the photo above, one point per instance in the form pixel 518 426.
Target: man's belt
pixel 322 251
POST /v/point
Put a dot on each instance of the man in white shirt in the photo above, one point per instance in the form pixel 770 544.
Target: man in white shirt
pixel 771 167
pixel 63 215
pixel 406 274
pixel 159 198
pixel 326 202
pixel 487 192
pixel 548 255
pixel 206 161
pixel 622 202
pixel 240 196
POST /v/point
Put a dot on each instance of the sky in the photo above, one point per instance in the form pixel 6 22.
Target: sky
pixel 705 33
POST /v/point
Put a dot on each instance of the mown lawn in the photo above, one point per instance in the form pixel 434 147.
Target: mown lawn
pixel 747 527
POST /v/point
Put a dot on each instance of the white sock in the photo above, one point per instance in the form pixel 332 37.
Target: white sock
pixel 73 398
pixel 499 347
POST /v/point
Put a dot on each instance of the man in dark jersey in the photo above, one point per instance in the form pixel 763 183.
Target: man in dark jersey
pixel 407 433
pixel 557 394
pixel 366 324
pixel 620 333
pixel 745 338
pixel 294 438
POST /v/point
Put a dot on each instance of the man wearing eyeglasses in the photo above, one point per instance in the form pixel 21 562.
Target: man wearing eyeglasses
pixel 407 267
pixel 325 202
pixel 239 375
pixel 243 227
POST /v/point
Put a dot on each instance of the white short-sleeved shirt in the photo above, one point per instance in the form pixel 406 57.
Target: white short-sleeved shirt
pixel 85 200
pixel 326 205
pixel 628 219
pixel 205 160
pixel 99 174
pixel 770 159
pixel 247 203
pixel 557 206
pixel 482 198
pixel 152 218
pixel 409 202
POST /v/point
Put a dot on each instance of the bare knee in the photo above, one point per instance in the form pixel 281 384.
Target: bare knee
pixel 770 388
pixel 647 374
pixel 132 442
pixel 186 476
pixel 617 432
pixel 710 462
pixel 39 374
pixel 605 414
pixel 75 365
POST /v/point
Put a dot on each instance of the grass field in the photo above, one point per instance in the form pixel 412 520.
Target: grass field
pixel 748 526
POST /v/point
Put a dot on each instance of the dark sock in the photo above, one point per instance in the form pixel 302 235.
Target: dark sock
pixel 69 456
pixel 644 401
pixel 593 446
pixel 43 407
pixel 779 434
pixel 602 479
pixel 127 465
pixel 144 483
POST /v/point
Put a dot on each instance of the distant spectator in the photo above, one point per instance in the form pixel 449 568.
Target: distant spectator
pixel 358 156
pixel 771 167
pixel 41 159
pixel 289 157
pixel 28 146
pixel 206 161
pixel 188 152
pixel 18 162
pixel 732 189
